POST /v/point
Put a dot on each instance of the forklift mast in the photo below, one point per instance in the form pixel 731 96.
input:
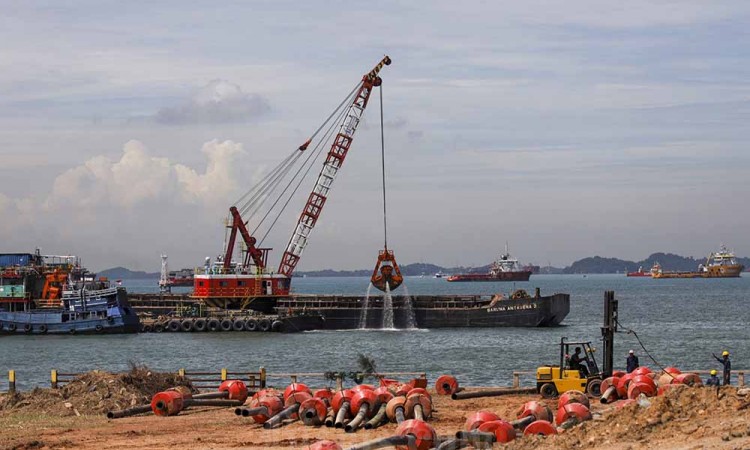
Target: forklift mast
pixel 608 332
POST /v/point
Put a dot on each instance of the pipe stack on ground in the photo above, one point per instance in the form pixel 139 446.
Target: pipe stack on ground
pixel 294 395
pixel 411 434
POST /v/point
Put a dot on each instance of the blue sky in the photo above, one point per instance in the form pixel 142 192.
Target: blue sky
pixel 568 129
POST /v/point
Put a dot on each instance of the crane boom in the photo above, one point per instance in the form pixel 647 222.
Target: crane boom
pixel 334 160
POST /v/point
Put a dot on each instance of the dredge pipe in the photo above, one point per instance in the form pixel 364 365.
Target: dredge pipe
pixel 520 424
pixel 209 395
pixel 476 436
pixel 377 420
pixel 278 418
pixel 400 415
pixel 608 395
pixel 341 415
pixel 352 426
pixel 212 402
pixel 330 418
pixel 128 412
pixel 247 412
pixel 464 395
pixel 418 412
pixel 453 444
pixel 409 440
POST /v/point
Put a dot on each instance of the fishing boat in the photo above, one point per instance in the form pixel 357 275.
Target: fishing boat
pixel 56 295
pixel 721 264
pixel 505 268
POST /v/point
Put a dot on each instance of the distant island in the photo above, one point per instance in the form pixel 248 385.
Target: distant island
pixel 592 264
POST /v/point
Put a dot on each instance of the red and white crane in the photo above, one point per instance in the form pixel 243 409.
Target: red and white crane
pixel 226 282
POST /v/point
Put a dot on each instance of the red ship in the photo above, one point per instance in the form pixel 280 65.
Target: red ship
pixel 640 273
pixel 505 268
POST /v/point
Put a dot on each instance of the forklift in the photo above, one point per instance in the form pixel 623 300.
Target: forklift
pixel 553 380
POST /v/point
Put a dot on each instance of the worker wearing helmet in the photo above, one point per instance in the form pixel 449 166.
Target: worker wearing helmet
pixel 724 361
pixel 631 363
pixel 713 380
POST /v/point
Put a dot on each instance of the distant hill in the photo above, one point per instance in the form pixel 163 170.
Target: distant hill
pixel 121 273
pixel 593 264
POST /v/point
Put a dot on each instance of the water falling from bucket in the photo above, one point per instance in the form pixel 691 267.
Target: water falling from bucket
pixel 365 309
pixel 387 309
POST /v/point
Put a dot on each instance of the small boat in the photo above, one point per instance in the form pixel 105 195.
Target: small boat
pixel 55 295
pixel 505 268
pixel 440 275
pixel 721 264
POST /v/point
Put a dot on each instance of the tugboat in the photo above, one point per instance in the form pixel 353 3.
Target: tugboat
pixel 721 264
pixel 505 268
pixel 55 295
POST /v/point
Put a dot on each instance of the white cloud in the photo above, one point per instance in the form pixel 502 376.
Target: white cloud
pixel 218 102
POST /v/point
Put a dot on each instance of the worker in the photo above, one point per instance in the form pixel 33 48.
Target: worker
pixel 632 362
pixel 724 361
pixel 713 380
pixel 575 363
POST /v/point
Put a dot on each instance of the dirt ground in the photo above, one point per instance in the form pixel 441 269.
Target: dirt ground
pixel 687 418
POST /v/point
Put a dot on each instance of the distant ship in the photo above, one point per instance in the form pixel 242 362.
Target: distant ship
pixel 55 295
pixel 440 275
pixel 183 277
pixel 721 264
pixel 642 273
pixel 505 268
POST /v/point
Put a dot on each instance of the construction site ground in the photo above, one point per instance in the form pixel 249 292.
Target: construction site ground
pixel 73 417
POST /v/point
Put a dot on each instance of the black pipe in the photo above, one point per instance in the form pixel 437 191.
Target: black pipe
pixel 378 419
pixel 400 415
pixel 247 412
pixel 211 402
pixel 278 418
pixel 408 440
pixel 523 423
pixel 476 436
pixel 341 415
pixel 310 417
pixel 352 426
pixel 128 412
pixel 330 418
pixel 491 393
pixel 208 395
pixel 453 444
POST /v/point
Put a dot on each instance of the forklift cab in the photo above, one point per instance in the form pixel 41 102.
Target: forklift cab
pixel 556 379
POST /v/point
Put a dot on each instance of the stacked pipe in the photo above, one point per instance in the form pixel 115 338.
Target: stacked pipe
pixel 173 401
pixel 264 404
pixel 411 434
pixel 294 396
pixel 642 381
pixel 383 396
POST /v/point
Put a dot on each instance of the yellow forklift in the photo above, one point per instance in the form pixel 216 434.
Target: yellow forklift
pixel 553 380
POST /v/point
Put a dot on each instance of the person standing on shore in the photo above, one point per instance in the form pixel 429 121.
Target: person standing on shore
pixel 632 362
pixel 724 361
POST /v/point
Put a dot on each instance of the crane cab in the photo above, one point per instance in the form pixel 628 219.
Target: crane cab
pixel 551 380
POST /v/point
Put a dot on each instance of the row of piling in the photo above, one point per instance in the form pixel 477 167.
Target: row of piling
pixel 213 324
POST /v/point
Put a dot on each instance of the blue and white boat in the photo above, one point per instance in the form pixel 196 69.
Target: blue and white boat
pixel 55 295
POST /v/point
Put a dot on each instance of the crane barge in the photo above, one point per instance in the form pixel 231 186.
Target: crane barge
pixel 250 282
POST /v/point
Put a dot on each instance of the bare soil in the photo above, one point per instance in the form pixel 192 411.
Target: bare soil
pixel 73 417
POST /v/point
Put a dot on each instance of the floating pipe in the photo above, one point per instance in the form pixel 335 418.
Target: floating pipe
pixel 247 412
pixel 211 402
pixel 453 444
pixel 378 419
pixel 341 415
pixel 312 411
pixel 278 418
pixel 409 441
pixel 128 412
pixel 464 395
pixel 523 422
pixel 475 436
pixel 330 418
pixel 352 426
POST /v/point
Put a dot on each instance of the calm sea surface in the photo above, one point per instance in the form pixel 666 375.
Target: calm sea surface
pixel 681 322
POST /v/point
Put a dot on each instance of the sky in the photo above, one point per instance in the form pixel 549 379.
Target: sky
pixel 567 129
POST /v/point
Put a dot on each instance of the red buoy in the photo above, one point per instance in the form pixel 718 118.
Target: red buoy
pixel 324 445
pixel 573 397
pixel 236 390
pixel 423 433
pixel 478 418
pixel 503 431
pixel 540 427
pixel 446 385
pixel 167 403
pixel 296 387
pixel 576 411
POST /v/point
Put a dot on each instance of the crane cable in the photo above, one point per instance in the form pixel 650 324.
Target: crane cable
pixel 271 180
pixel 645 350
pixel 312 157
pixel 382 159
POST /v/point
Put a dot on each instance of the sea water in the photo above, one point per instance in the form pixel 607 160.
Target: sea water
pixel 680 321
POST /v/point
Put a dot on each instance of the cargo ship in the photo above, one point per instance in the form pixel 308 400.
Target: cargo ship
pixel 641 273
pixel 505 268
pixel 721 264
pixel 305 313
pixel 55 295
